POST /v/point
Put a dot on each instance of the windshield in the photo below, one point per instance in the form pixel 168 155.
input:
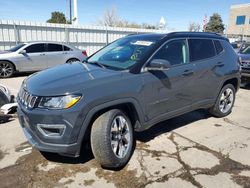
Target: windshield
pixel 245 49
pixel 14 49
pixel 124 53
pixel 234 45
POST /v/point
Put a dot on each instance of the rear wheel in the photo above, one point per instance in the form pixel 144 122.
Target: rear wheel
pixel 72 60
pixel 6 69
pixel 112 139
pixel 225 102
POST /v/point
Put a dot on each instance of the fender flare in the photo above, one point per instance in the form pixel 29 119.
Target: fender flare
pixel 97 108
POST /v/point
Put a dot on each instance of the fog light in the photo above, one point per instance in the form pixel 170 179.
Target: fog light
pixel 51 130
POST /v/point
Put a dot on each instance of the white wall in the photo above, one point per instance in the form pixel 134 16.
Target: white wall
pixel 90 38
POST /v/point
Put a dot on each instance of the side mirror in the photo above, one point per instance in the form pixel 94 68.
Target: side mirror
pixel 22 52
pixel 158 64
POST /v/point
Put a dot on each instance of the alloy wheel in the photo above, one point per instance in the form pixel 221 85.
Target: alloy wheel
pixel 120 136
pixel 226 100
pixel 6 69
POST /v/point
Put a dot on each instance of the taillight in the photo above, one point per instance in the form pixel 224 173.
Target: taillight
pixel 85 53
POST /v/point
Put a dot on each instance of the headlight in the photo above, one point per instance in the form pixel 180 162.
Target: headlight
pixel 62 102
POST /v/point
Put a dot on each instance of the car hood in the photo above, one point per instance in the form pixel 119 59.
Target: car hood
pixel 245 56
pixel 68 78
pixel 4 52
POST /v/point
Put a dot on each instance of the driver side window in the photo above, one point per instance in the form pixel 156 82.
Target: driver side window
pixel 175 52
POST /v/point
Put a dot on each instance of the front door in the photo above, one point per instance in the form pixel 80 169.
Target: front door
pixel 169 91
pixel 34 59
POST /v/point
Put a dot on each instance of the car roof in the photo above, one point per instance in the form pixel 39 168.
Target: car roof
pixel 181 34
pixel 50 42
pixel 35 42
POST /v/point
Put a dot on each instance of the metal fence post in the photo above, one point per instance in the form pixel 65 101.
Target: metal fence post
pixel 66 35
pixel 16 32
pixel 107 36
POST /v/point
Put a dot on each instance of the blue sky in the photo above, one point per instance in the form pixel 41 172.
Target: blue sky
pixel 178 14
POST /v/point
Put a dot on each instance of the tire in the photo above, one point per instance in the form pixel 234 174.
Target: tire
pixel 224 102
pixel 72 60
pixel 106 131
pixel 6 69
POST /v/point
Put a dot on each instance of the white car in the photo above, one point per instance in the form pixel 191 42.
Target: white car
pixel 35 56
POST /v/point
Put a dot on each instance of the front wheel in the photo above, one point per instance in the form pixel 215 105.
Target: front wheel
pixel 112 139
pixel 6 69
pixel 225 102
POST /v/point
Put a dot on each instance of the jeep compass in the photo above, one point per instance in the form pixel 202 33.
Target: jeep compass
pixel 129 85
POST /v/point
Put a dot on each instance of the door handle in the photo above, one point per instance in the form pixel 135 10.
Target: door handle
pixel 220 64
pixel 65 52
pixel 187 73
pixel 42 54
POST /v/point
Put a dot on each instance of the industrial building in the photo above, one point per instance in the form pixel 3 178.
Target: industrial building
pixel 239 22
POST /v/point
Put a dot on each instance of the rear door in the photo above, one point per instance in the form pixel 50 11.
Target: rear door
pixel 55 54
pixel 34 58
pixel 169 91
pixel 207 65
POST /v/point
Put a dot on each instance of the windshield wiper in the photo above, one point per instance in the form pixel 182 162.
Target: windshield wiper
pixel 95 63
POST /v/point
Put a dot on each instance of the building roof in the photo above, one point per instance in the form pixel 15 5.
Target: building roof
pixel 240 5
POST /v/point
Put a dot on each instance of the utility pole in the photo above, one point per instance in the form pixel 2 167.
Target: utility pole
pixel 75 19
pixel 70 11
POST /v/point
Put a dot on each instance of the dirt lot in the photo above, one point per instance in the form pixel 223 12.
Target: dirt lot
pixel 193 150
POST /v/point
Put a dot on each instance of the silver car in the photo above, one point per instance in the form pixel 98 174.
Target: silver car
pixel 35 56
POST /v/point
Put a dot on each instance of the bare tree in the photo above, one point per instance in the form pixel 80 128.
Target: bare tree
pixel 110 18
pixel 195 27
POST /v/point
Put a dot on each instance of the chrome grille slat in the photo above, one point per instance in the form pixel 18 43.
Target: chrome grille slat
pixel 27 99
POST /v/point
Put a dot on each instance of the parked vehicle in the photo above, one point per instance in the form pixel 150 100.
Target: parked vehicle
pixel 236 46
pixel 34 56
pixel 129 85
pixel 244 54
pixel 5 95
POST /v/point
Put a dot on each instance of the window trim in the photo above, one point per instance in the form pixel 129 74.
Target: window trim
pixel 208 57
pixel 217 54
pixel 243 21
pixel 143 68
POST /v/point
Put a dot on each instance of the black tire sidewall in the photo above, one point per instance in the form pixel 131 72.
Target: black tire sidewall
pixel 110 160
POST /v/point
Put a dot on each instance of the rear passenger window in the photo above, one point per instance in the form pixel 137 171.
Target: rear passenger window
pixel 66 48
pixel 54 48
pixel 218 46
pixel 201 49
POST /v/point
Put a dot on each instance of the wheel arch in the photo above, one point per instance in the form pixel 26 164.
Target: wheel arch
pixel 6 60
pixel 72 58
pixel 234 81
pixel 129 106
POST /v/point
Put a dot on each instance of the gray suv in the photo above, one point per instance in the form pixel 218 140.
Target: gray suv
pixel 129 85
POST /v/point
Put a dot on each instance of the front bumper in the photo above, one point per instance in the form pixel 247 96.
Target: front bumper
pixel 68 143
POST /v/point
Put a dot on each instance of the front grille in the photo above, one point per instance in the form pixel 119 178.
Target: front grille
pixel 244 69
pixel 27 99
